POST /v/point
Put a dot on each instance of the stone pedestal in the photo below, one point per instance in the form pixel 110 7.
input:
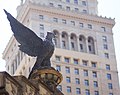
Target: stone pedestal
pixel 20 85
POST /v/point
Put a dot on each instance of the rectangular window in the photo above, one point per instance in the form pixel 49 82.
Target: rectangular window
pixel 84 11
pixel 67 8
pixel 78 91
pixel 72 45
pixel 59 87
pixel 68 1
pixel 105 46
pixel 55 19
pixel 41 17
pixel 94 64
pixel 42 35
pixel 90 48
pixel 51 4
pixel 60 6
pixel 75 1
pixel 81 47
pixel 68 79
pixel 110 93
pixel 77 80
pixel 76 71
pixel 73 23
pixel 96 92
pixel 63 21
pixel 67 60
pixel 104 38
pixel 106 55
pixel 84 3
pixel 94 74
pixel 76 9
pixel 81 25
pixel 109 76
pixel 85 72
pixel 12 69
pixel 110 86
pixel 107 67
pixel 68 89
pixel 58 68
pixel 89 26
pixel 86 82
pixel 63 45
pixel 95 84
pixel 85 63
pixel 58 58
pixel 87 92
pixel 103 29
pixel 67 70
pixel 75 61
pixel 41 27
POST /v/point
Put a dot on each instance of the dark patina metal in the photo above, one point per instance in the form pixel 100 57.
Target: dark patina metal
pixel 31 44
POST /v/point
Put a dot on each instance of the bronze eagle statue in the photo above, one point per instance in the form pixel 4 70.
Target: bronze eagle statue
pixel 31 44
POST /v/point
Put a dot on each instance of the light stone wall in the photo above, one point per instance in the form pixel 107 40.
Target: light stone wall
pixel 29 16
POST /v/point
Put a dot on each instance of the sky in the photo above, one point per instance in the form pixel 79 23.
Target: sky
pixel 108 8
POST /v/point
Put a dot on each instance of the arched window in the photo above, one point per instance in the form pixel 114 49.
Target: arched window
pixel 82 43
pixel 57 38
pixel 73 42
pixel 64 37
pixel 91 46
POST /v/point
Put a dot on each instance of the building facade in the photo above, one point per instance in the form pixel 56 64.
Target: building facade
pixel 84 52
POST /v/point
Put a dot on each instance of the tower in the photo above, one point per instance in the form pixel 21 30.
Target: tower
pixel 84 45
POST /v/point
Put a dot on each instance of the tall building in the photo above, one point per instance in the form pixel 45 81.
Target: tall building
pixel 84 53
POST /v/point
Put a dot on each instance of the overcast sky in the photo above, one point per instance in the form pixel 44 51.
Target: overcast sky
pixel 108 8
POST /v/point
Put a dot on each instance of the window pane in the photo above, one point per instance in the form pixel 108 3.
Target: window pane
pixel 58 68
pixel 84 3
pixel 67 60
pixel 59 87
pixel 85 63
pixel 68 1
pixel 95 74
pixel 76 71
pixel 77 90
pixel 77 80
pixel 109 76
pixel 67 70
pixel 76 61
pixel 86 82
pixel 94 64
pixel 81 25
pixel 107 67
pixel 96 92
pixel 76 1
pixel 110 86
pixel 89 26
pixel 95 84
pixel 41 17
pixel 58 58
pixel 85 72
pixel 87 92
pixel 68 79
pixel 68 89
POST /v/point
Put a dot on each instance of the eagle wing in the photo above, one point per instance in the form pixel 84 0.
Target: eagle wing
pixel 30 43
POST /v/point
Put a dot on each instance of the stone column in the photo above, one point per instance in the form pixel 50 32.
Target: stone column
pixel 60 39
pixel 87 49
pixel 69 42
pixel 78 46
pixel 95 46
